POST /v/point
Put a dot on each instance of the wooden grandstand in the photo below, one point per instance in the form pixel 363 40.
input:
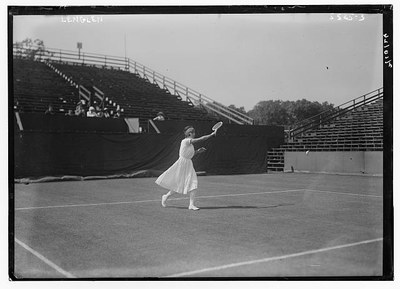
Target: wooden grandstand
pixel 36 86
pixel 354 126
pixel 64 77
pixel 138 97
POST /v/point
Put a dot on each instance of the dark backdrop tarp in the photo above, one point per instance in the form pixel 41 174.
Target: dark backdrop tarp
pixel 57 154
pixel 40 154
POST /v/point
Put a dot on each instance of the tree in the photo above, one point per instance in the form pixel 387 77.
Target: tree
pixel 238 109
pixel 271 112
pixel 30 49
pixel 286 113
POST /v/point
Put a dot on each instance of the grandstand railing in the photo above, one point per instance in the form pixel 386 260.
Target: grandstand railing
pixel 331 114
pixel 66 77
pixel 194 96
pixel 164 82
pixel 83 92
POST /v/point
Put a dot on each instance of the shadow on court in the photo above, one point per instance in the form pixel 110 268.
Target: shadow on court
pixel 232 207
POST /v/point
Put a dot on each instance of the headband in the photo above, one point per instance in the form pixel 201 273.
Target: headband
pixel 189 128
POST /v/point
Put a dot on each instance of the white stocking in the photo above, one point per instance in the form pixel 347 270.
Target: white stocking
pixel 192 197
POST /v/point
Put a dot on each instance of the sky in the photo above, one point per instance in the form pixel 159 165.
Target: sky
pixel 238 59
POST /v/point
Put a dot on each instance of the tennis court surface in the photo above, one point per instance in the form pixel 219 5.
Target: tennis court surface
pixel 269 225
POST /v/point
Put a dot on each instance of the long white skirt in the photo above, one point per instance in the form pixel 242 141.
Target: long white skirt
pixel 180 177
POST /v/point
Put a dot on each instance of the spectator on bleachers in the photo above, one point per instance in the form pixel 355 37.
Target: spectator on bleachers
pixel 99 112
pixel 160 116
pixel 117 114
pixel 91 112
pixel 79 110
pixel 50 110
pixel 106 113
pixel 17 107
pixel 70 113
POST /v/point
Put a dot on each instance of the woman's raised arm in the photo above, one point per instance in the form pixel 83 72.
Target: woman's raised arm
pixel 203 138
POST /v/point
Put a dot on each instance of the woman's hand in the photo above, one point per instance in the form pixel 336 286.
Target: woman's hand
pixel 201 150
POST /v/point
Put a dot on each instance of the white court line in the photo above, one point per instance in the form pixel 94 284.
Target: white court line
pixel 84 205
pixel 45 260
pixel 248 194
pixel 158 200
pixel 198 197
pixel 265 260
pixel 347 194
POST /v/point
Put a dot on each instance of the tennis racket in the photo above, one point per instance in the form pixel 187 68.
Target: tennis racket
pixel 217 126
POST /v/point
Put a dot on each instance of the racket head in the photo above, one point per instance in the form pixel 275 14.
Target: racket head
pixel 217 126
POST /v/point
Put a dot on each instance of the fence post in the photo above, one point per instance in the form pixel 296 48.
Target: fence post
pixel 134 67
pixel 105 60
pixel 144 71
pixel 83 57
pixel 163 82
pixel 127 64
pixel 154 77
pixel 187 93
pixel 174 88
pixel 60 55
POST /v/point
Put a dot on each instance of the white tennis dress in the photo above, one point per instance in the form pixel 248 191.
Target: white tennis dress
pixel 181 176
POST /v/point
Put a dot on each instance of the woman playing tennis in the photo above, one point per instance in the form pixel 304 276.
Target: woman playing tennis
pixel 181 177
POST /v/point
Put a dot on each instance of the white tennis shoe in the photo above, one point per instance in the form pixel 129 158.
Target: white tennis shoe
pixel 194 208
pixel 164 201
